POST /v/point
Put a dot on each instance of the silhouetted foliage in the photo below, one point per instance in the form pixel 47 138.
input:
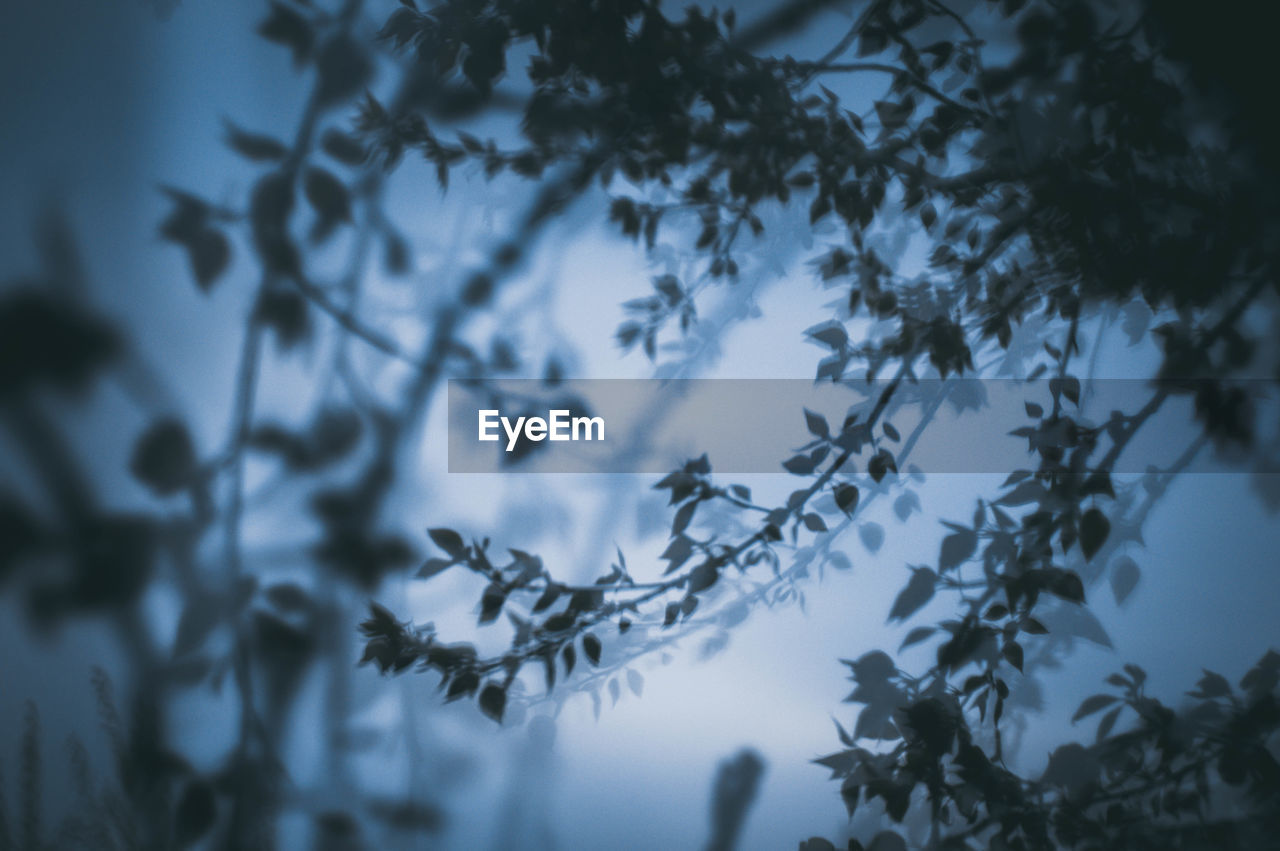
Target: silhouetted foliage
pixel 1061 183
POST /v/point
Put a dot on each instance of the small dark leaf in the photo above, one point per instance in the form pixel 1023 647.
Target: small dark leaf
pixel 846 497
pixel 591 647
pixel 1108 722
pixel 287 27
pixel 164 458
pixel 547 598
pixel 570 655
pixel 817 424
pixel 1069 587
pixel 1212 685
pixel 799 465
pixel 1093 704
pixel 284 312
pixel 491 603
pixel 463 685
pixel 957 548
pixel 330 199
pixel 872 535
pixel 1094 528
pixel 343 147
pixel 814 523
pixel 635 682
pixel 1012 651
pixel 1031 626
pixel 449 541
pixel 255 146
pixel 684 515
pixel 881 464
pixel 1124 578
pixel 916 635
pixel 493 701
pixel 919 590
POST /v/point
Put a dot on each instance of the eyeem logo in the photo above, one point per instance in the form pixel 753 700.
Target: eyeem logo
pixel 558 426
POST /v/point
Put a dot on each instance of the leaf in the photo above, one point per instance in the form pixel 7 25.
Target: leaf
pixel 329 197
pixel 880 464
pixel 1031 626
pixel 570 658
pixel 591 647
pixel 814 523
pixel 1072 767
pixel 255 146
pixel 684 515
pixel 463 685
pixel 432 566
pixel 164 458
pixel 1012 651
pixel 1068 586
pixel 957 548
pixel 1108 721
pixel 891 432
pixel 849 789
pixel 918 591
pixel 872 535
pixel 282 311
pixel 1124 578
pixel 449 541
pixel 799 465
pixel 1098 483
pixel 1096 703
pixel 846 497
pixel 493 701
pixel 916 635
pixel 343 147
pixel 1212 685
pixel 817 424
pixel 1094 528
pixel 287 27
pixel 1071 388
pixel 830 334
pixel 491 603
pixel 547 598
pixel 209 253
pixel 635 682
